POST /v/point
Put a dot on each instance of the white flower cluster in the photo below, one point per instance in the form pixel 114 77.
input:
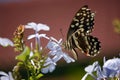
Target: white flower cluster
pixel 110 69
pixel 55 50
pixel 55 53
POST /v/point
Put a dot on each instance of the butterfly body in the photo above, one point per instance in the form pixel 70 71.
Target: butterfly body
pixel 79 33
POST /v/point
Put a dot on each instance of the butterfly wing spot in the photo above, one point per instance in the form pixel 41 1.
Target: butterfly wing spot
pixel 74 19
pixel 92 14
pixel 87 20
pixel 80 26
pixel 88 9
pixel 95 51
pixel 84 8
pixel 82 19
pixel 77 24
pixel 88 16
pixel 78 14
pixel 88 32
pixel 72 26
pixel 88 12
pixel 81 22
pixel 92 19
pixel 93 40
pixel 84 14
pixel 81 29
pixel 87 24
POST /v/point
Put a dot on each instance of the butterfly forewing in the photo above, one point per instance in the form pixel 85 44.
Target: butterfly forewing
pixel 83 20
pixel 79 36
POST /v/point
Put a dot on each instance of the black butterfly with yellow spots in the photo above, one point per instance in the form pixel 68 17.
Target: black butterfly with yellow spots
pixel 79 34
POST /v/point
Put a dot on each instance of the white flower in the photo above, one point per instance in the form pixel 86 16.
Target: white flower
pixel 54 55
pixel 90 69
pixel 113 64
pixel 36 35
pixel 111 67
pixel 5 42
pixel 5 76
pixel 37 27
pixel 56 51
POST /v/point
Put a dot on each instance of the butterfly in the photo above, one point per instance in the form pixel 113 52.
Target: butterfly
pixel 79 34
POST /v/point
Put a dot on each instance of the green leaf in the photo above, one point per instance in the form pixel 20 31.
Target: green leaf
pixel 39 76
pixel 24 55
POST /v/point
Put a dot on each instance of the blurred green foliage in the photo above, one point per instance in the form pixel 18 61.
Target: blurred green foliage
pixel 116 24
pixel 72 71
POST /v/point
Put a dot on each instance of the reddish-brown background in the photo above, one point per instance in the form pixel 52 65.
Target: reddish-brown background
pixel 58 14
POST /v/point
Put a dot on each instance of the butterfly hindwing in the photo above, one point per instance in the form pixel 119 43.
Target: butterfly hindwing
pixel 87 44
pixel 94 46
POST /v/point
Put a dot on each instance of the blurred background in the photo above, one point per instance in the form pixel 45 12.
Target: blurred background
pixel 58 15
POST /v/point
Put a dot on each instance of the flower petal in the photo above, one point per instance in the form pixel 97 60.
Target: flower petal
pixel 31 25
pixel 31 36
pixel 42 27
pixel 44 70
pixel 10 76
pixel 51 67
pixel 52 38
pixel 43 35
pixel 91 68
pixel 100 74
pixel 109 73
pixel 5 76
pixel 37 27
pixel 3 73
pixel 56 58
pixel 51 45
pixel 31 54
pixel 113 64
pixel 60 41
pixel 5 42
pixel 49 61
pixel 67 58
pixel 55 40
